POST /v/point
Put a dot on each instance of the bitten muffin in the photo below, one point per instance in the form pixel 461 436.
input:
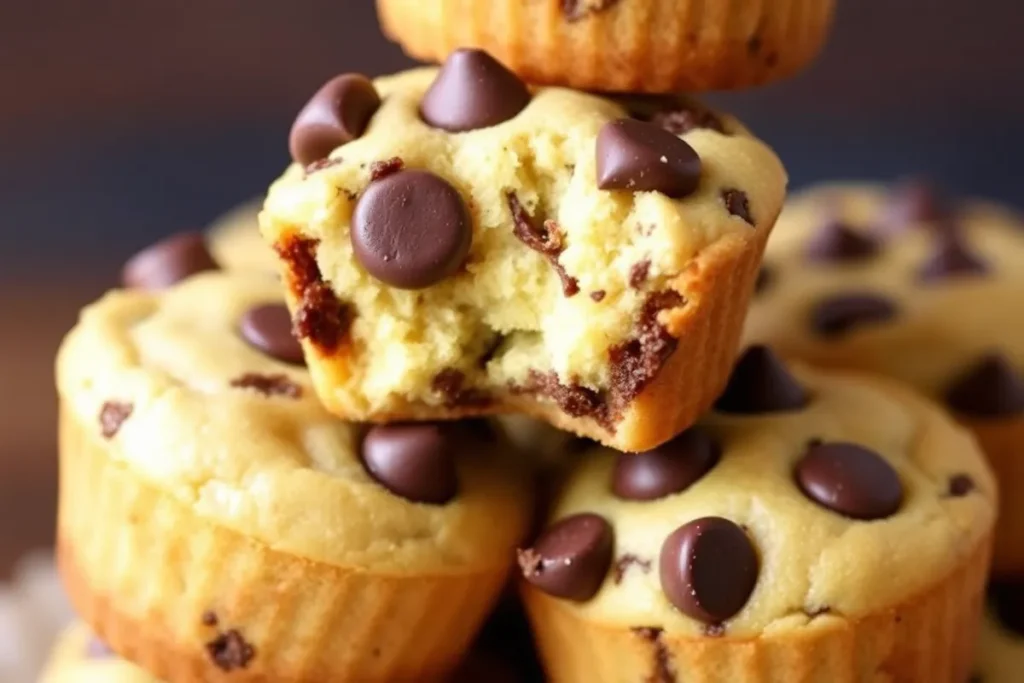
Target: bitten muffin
pixel 235 241
pixel 621 45
pixel 80 657
pixel 814 528
pixel 216 523
pixel 905 283
pixel 454 244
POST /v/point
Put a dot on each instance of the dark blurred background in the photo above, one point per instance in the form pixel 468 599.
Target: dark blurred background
pixel 122 121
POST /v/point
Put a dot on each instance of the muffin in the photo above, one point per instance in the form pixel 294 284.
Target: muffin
pixel 217 523
pixel 813 528
pixel 454 244
pixel 625 45
pixel 906 283
pixel 235 241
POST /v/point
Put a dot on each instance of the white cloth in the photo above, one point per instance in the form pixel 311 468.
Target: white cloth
pixel 33 611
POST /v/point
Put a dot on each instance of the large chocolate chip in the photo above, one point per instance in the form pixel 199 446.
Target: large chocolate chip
pixel 708 569
pixel 473 90
pixel 411 230
pixel 1007 599
pixel 951 258
pixel 760 383
pixel 641 157
pixel 842 313
pixel 667 469
pixel 570 559
pixel 835 242
pixel 338 113
pixel 849 479
pixel 269 329
pixel 414 460
pixel 912 202
pixel 989 388
pixel 167 262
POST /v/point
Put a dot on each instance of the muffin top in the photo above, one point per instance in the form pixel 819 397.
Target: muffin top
pixel 803 499
pixel 901 282
pixel 555 225
pixel 200 389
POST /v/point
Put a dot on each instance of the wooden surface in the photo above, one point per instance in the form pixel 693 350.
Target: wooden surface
pixel 122 121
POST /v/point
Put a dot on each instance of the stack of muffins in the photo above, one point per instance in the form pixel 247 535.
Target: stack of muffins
pixel 495 323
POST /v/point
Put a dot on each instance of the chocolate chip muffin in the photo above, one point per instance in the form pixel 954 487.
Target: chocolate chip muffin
pixel 904 282
pixel 813 528
pixel 235 241
pixel 216 522
pixel 621 45
pixel 455 243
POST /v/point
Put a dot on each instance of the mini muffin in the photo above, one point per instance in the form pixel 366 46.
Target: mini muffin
pixel 456 244
pixel 216 523
pixel 626 45
pixel 814 528
pixel 80 657
pixel 235 240
pixel 905 283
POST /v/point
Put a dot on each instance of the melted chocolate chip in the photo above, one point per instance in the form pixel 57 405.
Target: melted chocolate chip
pixel 737 204
pixel 451 384
pixel 300 256
pixel 473 90
pixel 112 416
pixel 670 468
pixel 268 385
pixel 571 558
pixel 638 273
pixel 322 318
pixel 625 562
pixel 760 383
pixel 634 363
pixel 835 242
pixel 672 113
pixel 641 157
pixel 842 313
pixel 209 618
pixel 951 258
pixel 269 328
pixel 229 651
pixel 850 480
pixel 575 10
pixel 338 113
pixel 168 262
pixel 415 460
pixel 411 230
pixel 598 296
pixel 574 400
pixel 708 569
pixel 382 169
pixel 960 485
pixel 544 237
pixel 990 388
pixel 662 670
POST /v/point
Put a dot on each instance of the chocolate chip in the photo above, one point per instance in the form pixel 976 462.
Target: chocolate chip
pixel 473 90
pixel 209 618
pixel 765 277
pixel 415 460
pixel 637 361
pixel 960 485
pixel 338 113
pixel 168 262
pixel 382 169
pixel 737 204
pixel 229 651
pixel 841 313
pixel 598 296
pixel 451 384
pixel 322 318
pixel 571 558
pixel 991 387
pixel 1006 596
pixel 760 383
pixel 708 569
pixel 638 273
pixel 300 256
pixel 544 237
pixel 97 649
pixel 641 157
pixel 835 242
pixel 268 327
pixel 672 113
pixel 574 10
pixel 669 468
pixel 950 258
pixel 623 564
pixel 268 385
pixel 574 399
pixel 112 416
pixel 662 670
pixel 850 480
pixel 913 201
pixel 411 230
